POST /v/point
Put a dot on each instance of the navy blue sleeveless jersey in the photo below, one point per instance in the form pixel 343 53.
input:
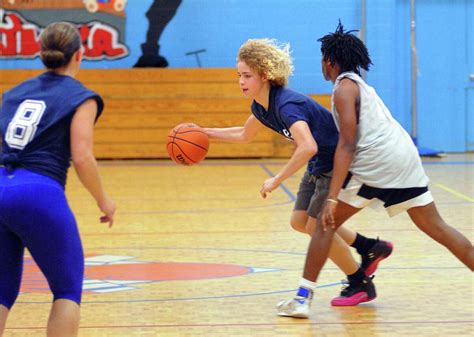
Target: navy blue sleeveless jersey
pixel 287 107
pixel 35 123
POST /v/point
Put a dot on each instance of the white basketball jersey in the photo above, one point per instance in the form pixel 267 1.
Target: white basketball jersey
pixel 385 156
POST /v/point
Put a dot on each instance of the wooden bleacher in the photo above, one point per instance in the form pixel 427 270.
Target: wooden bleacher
pixel 142 105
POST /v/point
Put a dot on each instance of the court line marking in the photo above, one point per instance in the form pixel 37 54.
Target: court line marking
pixel 192 298
pixel 454 192
pixel 243 209
pixel 247 162
pixel 460 162
pixel 396 230
pixel 208 210
pixel 273 324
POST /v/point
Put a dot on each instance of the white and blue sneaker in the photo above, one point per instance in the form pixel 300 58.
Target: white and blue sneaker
pixel 297 306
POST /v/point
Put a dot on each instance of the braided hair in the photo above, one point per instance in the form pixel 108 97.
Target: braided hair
pixel 345 49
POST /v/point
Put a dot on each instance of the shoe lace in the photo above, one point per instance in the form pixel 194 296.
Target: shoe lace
pixel 347 285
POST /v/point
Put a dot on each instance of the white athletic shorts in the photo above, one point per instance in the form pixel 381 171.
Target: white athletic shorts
pixel 395 200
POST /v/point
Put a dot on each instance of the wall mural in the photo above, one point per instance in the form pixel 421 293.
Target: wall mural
pixel 100 22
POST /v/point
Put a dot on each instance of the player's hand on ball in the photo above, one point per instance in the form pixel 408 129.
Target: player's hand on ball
pixel 269 185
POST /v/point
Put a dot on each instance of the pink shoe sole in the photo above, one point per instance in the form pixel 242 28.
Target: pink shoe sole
pixel 354 300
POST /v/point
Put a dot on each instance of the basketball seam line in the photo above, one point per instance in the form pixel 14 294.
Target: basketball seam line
pixel 187 141
pixel 182 153
pixel 183 132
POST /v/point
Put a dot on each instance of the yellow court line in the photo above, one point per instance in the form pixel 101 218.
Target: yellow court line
pixel 454 192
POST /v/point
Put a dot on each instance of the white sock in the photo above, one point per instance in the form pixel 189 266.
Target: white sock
pixel 307 284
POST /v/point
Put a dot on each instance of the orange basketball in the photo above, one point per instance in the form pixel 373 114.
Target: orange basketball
pixel 187 144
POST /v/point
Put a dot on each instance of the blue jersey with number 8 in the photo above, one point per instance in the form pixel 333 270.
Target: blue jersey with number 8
pixel 35 123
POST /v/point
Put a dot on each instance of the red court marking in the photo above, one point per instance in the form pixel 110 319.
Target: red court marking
pixel 164 271
pixel 34 281
pixel 272 324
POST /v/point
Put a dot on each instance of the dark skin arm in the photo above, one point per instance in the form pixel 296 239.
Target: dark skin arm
pixel 346 100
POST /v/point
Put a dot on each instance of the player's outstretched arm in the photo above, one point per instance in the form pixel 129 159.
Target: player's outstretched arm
pixel 237 134
pixel 82 131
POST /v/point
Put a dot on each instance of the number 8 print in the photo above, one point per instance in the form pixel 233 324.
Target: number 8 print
pixel 22 127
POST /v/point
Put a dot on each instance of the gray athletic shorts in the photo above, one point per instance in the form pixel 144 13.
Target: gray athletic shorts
pixel 312 193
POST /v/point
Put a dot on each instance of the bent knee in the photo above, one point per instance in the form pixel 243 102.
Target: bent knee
pixel 298 226
pixel 298 220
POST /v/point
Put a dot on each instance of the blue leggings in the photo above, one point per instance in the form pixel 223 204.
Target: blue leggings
pixel 34 213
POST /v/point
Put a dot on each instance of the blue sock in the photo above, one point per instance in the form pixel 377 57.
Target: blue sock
pixel 304 292
pixel 306 288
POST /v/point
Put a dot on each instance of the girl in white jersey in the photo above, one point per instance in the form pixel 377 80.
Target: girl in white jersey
pixel 375 160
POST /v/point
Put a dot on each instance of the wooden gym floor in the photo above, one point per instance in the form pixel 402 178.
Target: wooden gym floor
pixel 195 251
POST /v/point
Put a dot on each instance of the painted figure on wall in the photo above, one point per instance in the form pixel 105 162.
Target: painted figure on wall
pixel 159 15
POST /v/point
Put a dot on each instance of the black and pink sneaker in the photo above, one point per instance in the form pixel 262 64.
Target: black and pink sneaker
pixel 356 293
pixel 380 251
